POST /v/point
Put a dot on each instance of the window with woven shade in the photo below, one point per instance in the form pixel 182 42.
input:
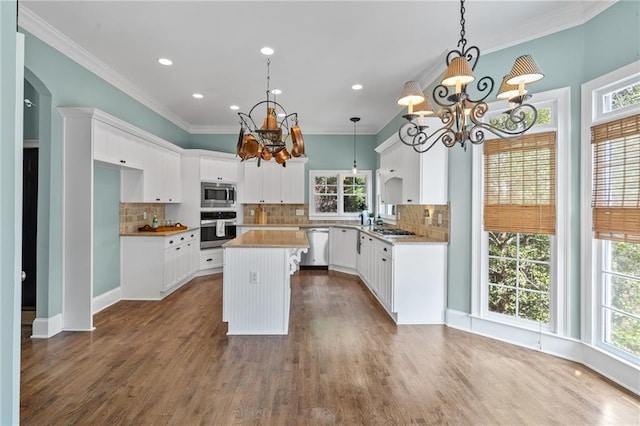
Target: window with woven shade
pixel 616 180
pixel 520 184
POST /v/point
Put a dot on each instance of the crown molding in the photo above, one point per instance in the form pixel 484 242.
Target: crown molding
pixel 39 28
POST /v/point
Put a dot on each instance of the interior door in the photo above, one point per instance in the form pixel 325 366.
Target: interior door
pixel 29 225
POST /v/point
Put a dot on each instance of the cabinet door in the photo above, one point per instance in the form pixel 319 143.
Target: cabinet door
pixel 170 267
pixel 132 151
pixel 271 183
pixel 153 176
pixel 218 170
pixel 386 282
pixel 292 183
pixel 102 148
pixel 252 186
pixel 171 179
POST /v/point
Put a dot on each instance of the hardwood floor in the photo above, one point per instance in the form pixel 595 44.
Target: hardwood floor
pixel 343 362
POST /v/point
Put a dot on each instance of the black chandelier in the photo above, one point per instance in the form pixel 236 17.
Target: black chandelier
pixel 462 116
pixel 269 141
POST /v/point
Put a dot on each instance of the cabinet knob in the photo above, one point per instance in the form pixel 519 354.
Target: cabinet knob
pixel 344 230
pixel 384 260
pixel 181 238
pixel 170 241
pixel 157 199
pixel 385 249
pixel 409 201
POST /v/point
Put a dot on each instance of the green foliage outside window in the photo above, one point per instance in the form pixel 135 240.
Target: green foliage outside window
pixel 519 275
pixel 624 97
pixel 544 117
pixel 623 294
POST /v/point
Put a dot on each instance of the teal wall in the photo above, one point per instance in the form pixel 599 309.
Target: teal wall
pixel 568 59
pixel 106 230
pixel 30 115
pixel 10 219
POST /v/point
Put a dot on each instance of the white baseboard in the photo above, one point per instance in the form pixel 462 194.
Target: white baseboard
pixel 106 299
pixel 43 328
pixel 617 370
pixel 204 272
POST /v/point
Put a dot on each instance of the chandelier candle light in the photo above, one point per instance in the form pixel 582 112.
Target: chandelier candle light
pixel 461 116
pixel 269 141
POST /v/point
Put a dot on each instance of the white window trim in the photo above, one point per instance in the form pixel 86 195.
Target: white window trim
pixel 340 174
pixel 560 271
pixel 591 250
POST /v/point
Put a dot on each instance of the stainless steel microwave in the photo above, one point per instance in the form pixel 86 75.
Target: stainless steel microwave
pixel 218 195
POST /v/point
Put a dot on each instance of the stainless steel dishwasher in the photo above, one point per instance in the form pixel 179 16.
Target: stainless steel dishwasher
pixel 318 253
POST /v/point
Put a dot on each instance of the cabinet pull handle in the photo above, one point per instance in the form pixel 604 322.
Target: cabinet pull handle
pixel 344 230
pixel 177 248
pixel 370 239
pixel 181 238
pixel 409 201
pixel 157 199
pixel 171 242
pixel 209 260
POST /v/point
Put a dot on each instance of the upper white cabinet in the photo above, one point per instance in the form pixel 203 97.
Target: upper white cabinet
pixel 161 178
pixel 117 147
pixel 408 177
pixel 218 169
pixel 273 184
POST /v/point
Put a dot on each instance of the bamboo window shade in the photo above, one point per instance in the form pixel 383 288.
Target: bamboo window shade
pixel 520 184
pixel 616 180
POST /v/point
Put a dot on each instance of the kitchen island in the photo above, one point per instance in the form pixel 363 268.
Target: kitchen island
pixel 256 283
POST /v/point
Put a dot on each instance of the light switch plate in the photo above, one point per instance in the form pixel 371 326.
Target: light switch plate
pixel 299 212
pixel 252 212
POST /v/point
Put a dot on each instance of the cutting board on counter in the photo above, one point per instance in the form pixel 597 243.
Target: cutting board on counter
pixel 261 216
pixel 148 228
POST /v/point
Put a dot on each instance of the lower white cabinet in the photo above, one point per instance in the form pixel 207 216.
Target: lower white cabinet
pixel 409 280
pixel 211 258
pixel 342 248
pixel 154 266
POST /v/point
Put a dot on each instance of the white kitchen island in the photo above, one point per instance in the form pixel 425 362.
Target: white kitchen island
pixel 256 281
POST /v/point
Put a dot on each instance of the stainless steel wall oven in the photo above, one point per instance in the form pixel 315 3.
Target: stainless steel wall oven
pixel 216 228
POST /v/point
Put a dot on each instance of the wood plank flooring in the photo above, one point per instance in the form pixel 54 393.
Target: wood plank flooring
pixel 343 362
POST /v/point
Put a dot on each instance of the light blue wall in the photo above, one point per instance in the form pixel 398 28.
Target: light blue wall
pixel 30 115
pixel 568 58
pixel 106 230
pixel 10 221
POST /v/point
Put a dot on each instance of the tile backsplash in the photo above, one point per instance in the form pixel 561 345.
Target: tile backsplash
pixel 132 215
pixel 277 213
pixel 423 220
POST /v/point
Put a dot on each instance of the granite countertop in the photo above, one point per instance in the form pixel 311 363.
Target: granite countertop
pixel 260 238
pixel 157 233
pixel 363 228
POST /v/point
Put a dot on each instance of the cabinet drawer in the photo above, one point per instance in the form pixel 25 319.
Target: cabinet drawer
pixel 385 249
pixel 175 239
pixel 211 258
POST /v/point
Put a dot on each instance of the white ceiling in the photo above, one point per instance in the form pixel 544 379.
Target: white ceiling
pixel 321 49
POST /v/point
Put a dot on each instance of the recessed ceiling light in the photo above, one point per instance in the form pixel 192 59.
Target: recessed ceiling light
pixel 357 87
pixel 234 107
pixel 267 51
pixel 276 91
pixel 165 61
pixel 198 95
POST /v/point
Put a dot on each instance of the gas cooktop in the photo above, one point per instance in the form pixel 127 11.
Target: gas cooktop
pixel 393 232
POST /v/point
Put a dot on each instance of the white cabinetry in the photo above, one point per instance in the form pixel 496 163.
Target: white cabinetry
pixel 218 169
pixel 409 280
pixel 407 177
pixel 211 258
pixel 161 175
pixel 273 184
pixel 342 248
pixel 116 147
pixel 154 266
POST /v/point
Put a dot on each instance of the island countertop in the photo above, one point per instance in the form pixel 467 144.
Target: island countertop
pixel 270 239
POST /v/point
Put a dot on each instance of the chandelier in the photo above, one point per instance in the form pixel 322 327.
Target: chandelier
pixel 269 140
pixel 461 115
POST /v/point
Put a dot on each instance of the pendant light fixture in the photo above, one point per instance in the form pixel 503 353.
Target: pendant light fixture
pixel 269 141
pixel 460 115
pixel 354 120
